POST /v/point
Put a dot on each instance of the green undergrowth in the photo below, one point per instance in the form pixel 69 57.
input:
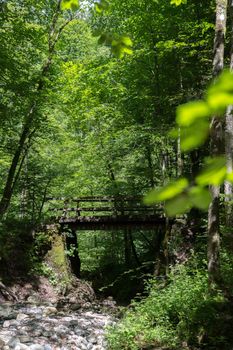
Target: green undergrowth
pixel 179 313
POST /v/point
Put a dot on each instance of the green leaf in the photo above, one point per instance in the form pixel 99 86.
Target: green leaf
pixel 220 94
pixel 214 173
pixel 69 5
pixel 194 135
pixel 200 197
pixel 167 192
pixel 188 113
pixel 178 2
pixel 126 41
pixel 101 6
pixel 127 50
pixel 178 205
pixel 219 101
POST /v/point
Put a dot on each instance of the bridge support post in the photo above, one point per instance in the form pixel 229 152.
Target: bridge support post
pixel 73 256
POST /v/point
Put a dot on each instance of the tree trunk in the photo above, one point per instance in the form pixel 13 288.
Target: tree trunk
pixel 216 149
pixel 228 188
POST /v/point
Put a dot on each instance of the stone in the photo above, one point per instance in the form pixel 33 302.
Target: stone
pixel 2 343
pixel 21 317
pixel 5 310
pixel 21 347
pixel 24 339
pixel 13 342
pixel 50 310
pixel 42 327
pixel 36 347
pixel 47 347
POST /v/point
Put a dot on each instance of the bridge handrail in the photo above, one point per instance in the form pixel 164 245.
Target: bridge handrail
pixel 119 205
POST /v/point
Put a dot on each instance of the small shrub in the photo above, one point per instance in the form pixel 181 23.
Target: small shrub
pixel 176 313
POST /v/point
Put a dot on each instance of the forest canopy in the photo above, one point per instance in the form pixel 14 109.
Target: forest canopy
pixel 123 102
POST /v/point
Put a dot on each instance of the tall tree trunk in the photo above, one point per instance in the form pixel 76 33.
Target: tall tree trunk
pixel 22 149
pixel 216 149
pixel 228 188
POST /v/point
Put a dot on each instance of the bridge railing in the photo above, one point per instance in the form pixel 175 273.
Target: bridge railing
pixel 64 208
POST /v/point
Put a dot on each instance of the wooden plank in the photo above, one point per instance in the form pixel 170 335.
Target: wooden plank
pixel 96 198
pixel 108 209
pixel 106 222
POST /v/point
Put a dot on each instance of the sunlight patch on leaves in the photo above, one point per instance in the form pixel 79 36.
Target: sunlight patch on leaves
pixel 178 2
pixel 69 5
pixel 122 46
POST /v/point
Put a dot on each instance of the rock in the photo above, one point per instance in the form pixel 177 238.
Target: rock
pixel 50 310
pixel 24 339
pixel 5 310
pixel 36 347
pixel 2 343
pixel 47 347
pixel 13 342
pixel 42 327
pixel 21 317
pixel 21 347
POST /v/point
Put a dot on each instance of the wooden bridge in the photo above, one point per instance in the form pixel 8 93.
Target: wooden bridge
pixel 101 213
pixel 105 212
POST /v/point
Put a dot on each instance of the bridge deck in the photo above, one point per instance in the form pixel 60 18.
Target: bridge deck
pixel 106 222
pixel 121 212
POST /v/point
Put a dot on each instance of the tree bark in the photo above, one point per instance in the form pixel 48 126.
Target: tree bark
pixel 216 149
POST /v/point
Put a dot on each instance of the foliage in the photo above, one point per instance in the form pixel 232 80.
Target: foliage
pixel 178 312
pixel 193 122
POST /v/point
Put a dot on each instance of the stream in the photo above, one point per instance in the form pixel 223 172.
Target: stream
pixel 25 326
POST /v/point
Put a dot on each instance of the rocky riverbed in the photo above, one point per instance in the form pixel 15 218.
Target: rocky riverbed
pixel 27 326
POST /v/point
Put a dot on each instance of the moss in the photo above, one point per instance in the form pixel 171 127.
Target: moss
pixel 57 261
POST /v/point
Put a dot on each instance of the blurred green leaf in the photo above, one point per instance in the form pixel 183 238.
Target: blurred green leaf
pixel 220 94
pixel 126 41
pixel 167 192
pixel 214 172
pixel 188 113
pixel 194 135
pixel 178 205
pixel 200 197
pixel 122 46
pixel 101 6
pixel 219 101
pixel 69 5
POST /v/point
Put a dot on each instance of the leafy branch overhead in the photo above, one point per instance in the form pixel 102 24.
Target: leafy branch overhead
pixel 193 120
pixel 120 45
